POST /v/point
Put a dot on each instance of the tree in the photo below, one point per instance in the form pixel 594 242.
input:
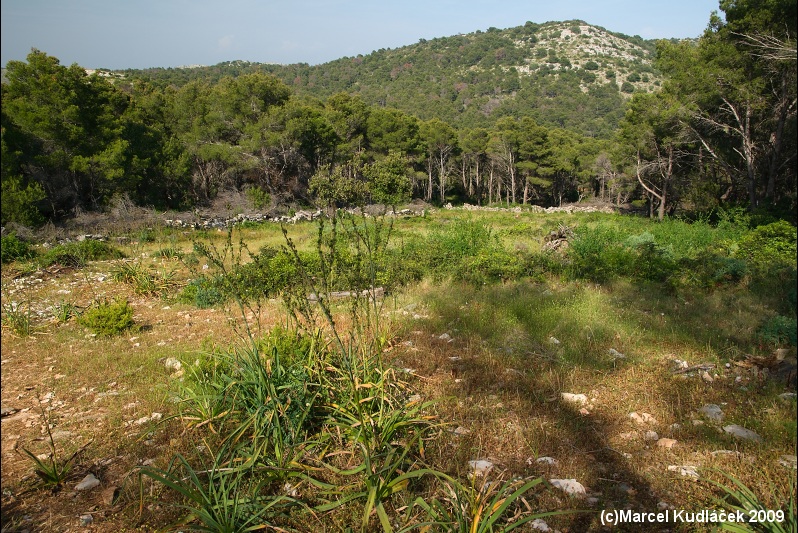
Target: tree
pixel 653 131
pixel 388 180
pixel 440 142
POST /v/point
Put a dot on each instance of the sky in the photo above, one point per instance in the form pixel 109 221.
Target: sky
pixel 120 34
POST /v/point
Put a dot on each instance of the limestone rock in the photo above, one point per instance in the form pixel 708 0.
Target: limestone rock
pixel 569 486
pixel 88 482
pixel 742 433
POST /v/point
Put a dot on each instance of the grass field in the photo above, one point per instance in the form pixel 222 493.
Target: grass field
pixel 190 373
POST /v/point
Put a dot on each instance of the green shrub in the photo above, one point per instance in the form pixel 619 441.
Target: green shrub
pixel 13 249
pixel 108 318
pixel 779 330
pixel 491 265
pixel 77 254
pixel 258 197
pixel 769 247
pixel 596 254
pixel 202 292
pixel 649 260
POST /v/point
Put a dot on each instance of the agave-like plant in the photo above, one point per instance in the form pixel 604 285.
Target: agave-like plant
pixel 737 496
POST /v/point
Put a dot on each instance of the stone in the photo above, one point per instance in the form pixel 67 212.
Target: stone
pixel 666 443
pixel 712 412
pixel 785 397
pixel 642 419
pixel 554 340
pixel 110 495
pixel 172 364
pixel 539 525
pixel 615 354
pixel 742 433
pixel 460 430
pixel 685 471
pixel 86 519
pixel 550 461
pixel 789 461
pixel 569 486
pixel 480 466
pixel 88 482
pixel 578 399
pixel 651 435
pixel 7 411
pixel 706 377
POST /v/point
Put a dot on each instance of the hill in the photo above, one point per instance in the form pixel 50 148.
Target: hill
pixel 564 74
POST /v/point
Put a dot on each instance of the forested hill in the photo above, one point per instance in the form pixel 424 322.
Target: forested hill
pixel 563 74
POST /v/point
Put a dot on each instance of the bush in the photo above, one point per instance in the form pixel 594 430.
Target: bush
pixel 258 197
pixel 649 260
pixel 107 319
pixel 596 254
pixel 768 247
pixel 13 249
pixel 779 330
pixel 77 254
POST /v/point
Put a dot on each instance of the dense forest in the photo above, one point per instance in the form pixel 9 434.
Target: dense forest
pixel 515 116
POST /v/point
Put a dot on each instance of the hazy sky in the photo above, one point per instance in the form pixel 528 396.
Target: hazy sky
pixel 120 34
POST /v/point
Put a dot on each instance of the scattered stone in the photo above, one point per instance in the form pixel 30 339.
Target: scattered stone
pixel 154 417
pixel 110 495
pixel 578 399
pixel 480 466
pixel 7 411
pixel 786 397
pixel 415 398
pixel 742 433
pixel 569 486
pixel 789 461
pixel 550 461
pixel 592 500
pixel 445 337
pixel 61 434
pixel 712 412
pixel 616 354
pixel 698 422
pixel 584 412
pixel 172 364
pixel 666 443
pixel 651 435
pixel 684 470
pixel 706 377
pixel 88 482
pixel 86 519
pixel 460 430
pixel 539 525
pixel 554 340
pixel 628 435
pixel 642 419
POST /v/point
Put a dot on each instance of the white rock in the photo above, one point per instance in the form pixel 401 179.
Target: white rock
pixel 666 443
pixel 684 470
pixel 554 340
pixel 789 461
pixel 88 482
pixel 787 397
pixel 445 337
pixel 642 418
pixel 86 519
pixel 480 466
pixel 712 412
pixel 569 486
pixel 742 433
pixel 616 354
pixel 539 525
pixel 651 435
pixel 172 364
pixel 460 430
pixel 578 399
pixel 551 461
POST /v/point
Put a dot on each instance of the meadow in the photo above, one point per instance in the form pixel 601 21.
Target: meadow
pixel 456 371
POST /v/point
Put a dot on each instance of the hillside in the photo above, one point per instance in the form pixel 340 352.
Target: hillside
pixel 564 74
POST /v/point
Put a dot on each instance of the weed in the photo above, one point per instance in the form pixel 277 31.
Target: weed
pixel 63 311
pixel 18 317
pixel 143 280
pixel 77 254
pixel 760 516
pixel 52 471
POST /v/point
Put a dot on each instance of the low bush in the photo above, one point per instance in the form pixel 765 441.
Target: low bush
pixel 107 319
pixel 77 254
pixel 13 249
pixel 779 330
